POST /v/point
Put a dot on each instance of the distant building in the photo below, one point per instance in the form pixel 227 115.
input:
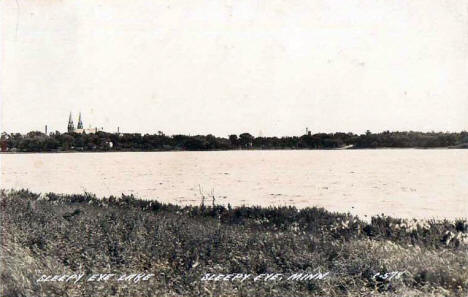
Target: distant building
pixel 87 130
pixel 70 127
pixel 80 123
pixel 79 128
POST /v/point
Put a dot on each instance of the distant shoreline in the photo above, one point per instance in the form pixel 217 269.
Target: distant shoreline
pixel 101 141
pixel 238 150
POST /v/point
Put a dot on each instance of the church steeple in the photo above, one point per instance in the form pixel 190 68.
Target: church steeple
pixel 70 127
pixel 80 123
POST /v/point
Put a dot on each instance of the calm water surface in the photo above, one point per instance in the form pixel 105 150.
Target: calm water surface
pixel 404 183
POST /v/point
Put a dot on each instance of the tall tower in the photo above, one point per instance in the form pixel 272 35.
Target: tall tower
pixel 70 127
pixel 80 123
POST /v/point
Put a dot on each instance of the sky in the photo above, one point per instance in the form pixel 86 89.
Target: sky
pixel 223 67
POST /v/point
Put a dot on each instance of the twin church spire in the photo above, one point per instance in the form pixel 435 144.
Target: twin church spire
pixel 71 126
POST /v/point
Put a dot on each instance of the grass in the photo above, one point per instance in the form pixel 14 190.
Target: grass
pixel 62 234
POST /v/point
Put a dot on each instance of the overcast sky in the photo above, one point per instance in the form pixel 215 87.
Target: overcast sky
pixel 222 67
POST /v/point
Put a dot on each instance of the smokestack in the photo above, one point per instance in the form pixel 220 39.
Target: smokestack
pixel 45 129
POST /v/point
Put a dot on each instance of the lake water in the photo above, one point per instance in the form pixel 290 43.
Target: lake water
pixel 405 183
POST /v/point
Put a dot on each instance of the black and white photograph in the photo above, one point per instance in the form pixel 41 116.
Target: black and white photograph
pixel 234 148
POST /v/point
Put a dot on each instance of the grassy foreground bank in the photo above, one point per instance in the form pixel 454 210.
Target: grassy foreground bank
pixel 64 234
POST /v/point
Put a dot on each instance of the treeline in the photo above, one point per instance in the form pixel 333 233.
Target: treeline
pixel 102 141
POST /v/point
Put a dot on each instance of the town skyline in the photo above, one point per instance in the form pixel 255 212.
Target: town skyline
pixel 78 126
pixel 226 68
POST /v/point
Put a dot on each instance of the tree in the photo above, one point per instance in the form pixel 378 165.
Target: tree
pixel 67 141
pixel 234 140
pixel 245 140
